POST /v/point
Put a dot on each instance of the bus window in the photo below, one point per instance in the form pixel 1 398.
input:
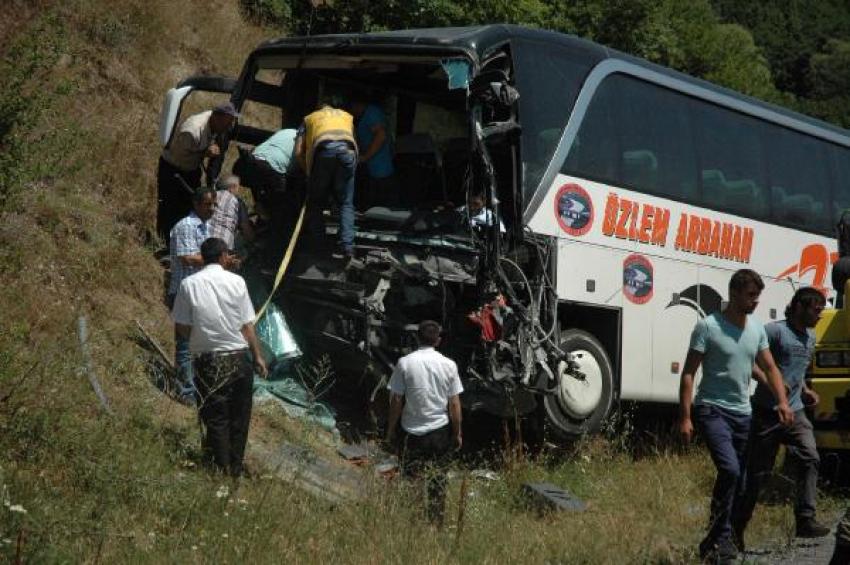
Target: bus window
pixel 799 179
pixel 841 187
pixel 594 151
pixel 656 145
pixel 732 161
pixel 548 79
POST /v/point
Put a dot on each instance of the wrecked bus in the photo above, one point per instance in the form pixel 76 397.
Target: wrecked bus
pixel 627 195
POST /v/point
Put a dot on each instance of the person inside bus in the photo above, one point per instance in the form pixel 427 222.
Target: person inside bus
pixel 379 186
pixel 477 215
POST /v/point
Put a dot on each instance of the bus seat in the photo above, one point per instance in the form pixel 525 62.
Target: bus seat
pixel 640 168
pixel 796 208
pixel 455 163
pixel 714 186
pixel 419 166
pixel 745 196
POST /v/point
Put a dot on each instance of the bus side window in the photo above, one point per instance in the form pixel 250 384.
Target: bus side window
pixel 656 144
pixel 841 186
pixel 594 151
pixel 799 177
pixel 732 161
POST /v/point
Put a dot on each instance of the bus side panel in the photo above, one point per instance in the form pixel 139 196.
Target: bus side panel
pixel 676 308
pixel 596 275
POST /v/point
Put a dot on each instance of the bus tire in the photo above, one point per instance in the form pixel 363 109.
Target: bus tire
pixel 579 407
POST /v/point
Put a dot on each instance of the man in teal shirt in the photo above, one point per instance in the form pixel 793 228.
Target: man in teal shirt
pixel 270 176
pixel 727 344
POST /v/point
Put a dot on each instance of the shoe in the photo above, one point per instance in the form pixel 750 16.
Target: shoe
pixel 738 540
pixel 810 528
pixel 726 551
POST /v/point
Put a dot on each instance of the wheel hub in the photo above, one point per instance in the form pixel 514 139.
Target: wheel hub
pixel 579 398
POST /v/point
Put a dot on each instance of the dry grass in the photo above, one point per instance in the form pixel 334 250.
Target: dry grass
pixel 78 202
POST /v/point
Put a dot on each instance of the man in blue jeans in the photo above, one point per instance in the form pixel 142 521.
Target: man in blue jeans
pixel 726 344
pixel 327 151
pixel 792 343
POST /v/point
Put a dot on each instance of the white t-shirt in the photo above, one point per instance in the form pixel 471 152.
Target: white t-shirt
pixel 427 379
pixel 216 304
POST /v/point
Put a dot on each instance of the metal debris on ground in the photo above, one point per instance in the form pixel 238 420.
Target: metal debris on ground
pixel 546 496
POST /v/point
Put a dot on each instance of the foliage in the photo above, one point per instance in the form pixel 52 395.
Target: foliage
pixel 25 96
pixel 782 52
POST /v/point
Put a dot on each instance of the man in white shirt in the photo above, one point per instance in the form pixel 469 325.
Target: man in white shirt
pixel 425 393
pixel 214 311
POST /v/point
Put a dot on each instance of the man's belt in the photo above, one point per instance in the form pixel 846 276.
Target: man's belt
pixel 210 355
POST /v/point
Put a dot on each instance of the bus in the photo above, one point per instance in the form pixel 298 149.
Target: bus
pixel 629 194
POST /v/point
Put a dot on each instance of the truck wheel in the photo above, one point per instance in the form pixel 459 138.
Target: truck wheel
pixel 579 406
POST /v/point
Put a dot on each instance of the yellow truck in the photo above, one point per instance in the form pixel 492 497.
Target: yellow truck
pixel 830 378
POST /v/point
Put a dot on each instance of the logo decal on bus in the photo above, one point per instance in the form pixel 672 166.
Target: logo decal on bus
pixel 814 258
pixel 574 209
pixel 637 279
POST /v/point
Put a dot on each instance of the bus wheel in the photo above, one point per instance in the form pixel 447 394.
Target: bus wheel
pixel 579 406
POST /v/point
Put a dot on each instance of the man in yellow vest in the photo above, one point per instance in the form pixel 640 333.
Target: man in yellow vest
pixel 327 151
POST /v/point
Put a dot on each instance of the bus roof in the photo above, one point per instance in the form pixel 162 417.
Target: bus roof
pixel 478 41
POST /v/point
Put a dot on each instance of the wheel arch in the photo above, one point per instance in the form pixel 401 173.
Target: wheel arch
pixel 605 323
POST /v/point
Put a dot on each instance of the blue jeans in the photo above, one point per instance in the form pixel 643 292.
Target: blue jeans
pixel 725 434
pixel 334 165
pixel 183 363
pixel 767 434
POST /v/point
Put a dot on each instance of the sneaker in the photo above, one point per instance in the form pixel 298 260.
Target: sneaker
pixel 738 540
pixel 810 528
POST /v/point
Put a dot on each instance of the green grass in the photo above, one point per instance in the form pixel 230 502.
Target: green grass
pixel 78 119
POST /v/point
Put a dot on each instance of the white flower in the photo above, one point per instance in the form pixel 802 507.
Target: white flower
pixel 17 508
pixel 222 491
pixel 225 536
pixel 194 548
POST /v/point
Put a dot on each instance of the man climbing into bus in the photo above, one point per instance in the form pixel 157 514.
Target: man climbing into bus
pixel 327 151
pixel 726 344
pixel 193 141
pixel 792 343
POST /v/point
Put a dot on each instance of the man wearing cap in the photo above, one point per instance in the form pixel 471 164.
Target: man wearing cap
pixel 326 149
pixel 425 393
pixel 214 312
pixel 231 213
pixel 194 140
pixel 187 235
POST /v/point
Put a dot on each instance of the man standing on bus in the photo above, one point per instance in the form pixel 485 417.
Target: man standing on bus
pixel 792 342
pixel 327 151
pixel 726 344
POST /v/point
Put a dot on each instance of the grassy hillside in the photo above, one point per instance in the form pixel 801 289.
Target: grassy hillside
pixel 79 104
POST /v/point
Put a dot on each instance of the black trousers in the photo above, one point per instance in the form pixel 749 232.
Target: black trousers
pixel 426 457
pixel 174 202
pixel 225 390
